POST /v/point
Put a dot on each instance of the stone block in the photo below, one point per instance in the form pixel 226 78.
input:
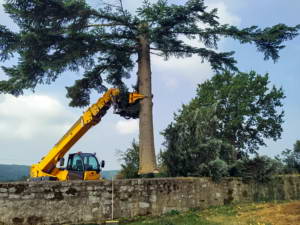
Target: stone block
pixel 94 199
pixel 3 190
pixel 153 198
pixel 130 188
pixel 64 189
pixel 49 196
pixel 93 193
pixel 12 190
pixel 123 188
pixel 99 188
pixel 123 196
pixel 95 210
pixel 88 217
pixel 144 205
pixel 90 188
pixel 26 197
pixel 3 195
pixel 106 195
pixel 13 196
pixel 107 202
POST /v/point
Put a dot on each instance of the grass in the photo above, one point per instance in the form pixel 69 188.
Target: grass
pixel 193 217
pixel 242 214
pixel 189 218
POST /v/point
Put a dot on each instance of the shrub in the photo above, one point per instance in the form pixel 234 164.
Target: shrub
pixel 218 169
pixel 260 168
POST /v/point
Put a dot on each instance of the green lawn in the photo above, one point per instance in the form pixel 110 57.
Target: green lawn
pixel 190 218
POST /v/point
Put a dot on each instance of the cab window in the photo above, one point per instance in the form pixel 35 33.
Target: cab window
pixel 77 163
pixel 90 163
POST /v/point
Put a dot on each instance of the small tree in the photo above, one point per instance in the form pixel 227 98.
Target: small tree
pixel 59 35
pixel 130 162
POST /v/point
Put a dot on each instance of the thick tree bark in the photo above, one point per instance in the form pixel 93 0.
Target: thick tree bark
pixel 146 139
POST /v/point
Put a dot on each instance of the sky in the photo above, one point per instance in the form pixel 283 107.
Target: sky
pixel 31 124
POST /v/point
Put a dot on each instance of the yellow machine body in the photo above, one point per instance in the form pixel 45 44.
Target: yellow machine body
pixel 46 169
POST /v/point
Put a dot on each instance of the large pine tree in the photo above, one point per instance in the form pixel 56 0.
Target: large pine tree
pixel 59 35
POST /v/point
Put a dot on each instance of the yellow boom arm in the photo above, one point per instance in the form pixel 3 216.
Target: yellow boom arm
pixel 92 116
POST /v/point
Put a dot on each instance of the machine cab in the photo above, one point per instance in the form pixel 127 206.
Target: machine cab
pixel 84 166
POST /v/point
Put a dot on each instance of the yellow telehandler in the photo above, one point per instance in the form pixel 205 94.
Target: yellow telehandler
pixel 82 166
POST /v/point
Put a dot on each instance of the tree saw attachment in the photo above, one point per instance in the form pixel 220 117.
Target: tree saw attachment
pixel 127 104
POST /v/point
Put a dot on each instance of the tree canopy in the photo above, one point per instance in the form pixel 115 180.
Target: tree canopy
pixel 248 108
pixel 59 35
pixel 231 116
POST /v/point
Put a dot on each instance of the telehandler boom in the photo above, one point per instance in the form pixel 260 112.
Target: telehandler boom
pixel 82 166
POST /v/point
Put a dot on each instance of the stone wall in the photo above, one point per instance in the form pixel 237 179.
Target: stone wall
pixel 90 202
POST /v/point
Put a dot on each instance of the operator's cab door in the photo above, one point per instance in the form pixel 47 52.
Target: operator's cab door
pixel 75 167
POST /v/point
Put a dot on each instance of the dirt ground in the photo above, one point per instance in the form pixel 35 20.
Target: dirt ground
pixel 274 213
pixel 287 213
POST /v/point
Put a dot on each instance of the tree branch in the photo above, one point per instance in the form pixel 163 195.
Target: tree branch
pixel 122 8
pixel 105 25
pixel 153 53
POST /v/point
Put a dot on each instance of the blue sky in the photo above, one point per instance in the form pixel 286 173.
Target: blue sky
pixel 30 125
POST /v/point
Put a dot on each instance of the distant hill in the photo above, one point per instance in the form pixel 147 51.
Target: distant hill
pixel 13 172
pixel 19 172
pixel 109 174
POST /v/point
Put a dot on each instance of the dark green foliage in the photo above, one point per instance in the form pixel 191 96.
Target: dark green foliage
pixel 260 168
pixel 191 143
pixel 230 117
pixel 247 108
pixel 173 212
pixel 267 40
pixel 217 169
pixel 130 162
pixel 291 159
pixel 55 36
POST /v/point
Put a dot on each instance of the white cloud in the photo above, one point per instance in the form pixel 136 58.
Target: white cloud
pixel 172 71
pixel 32 116
pixel 225 16
pixel 127 126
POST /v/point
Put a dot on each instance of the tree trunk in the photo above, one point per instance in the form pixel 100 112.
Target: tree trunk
pixel 146 139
